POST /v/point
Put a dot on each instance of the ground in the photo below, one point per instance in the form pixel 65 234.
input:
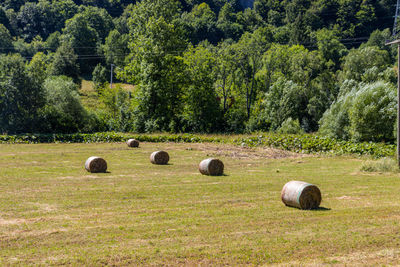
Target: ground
pixel 53 212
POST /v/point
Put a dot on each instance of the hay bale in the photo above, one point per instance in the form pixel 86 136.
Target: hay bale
pixel 211 166
pixel 159 158
pixel 301 195
pixel 95 164
pixel 132 143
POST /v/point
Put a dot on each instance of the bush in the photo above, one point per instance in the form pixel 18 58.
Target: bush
pixel 304 143
pixel 63 112
pixel 290 126
pixel 100 77
pixel 373 112
pixel 283 100
pixel 366 113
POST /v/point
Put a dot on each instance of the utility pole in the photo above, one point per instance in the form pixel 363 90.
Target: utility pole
pixel 397 41
pixel 111 79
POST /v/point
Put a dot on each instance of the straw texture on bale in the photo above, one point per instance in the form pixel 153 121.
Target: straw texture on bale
pixel 95 164
pixel 212 167
pixel 301 195
pixel 159 158
pixel 133 143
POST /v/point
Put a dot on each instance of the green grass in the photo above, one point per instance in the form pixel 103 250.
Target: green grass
pixel 90 98
pixel 52 212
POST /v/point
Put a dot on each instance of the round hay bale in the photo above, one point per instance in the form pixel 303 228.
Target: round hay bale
pixel 301 195
pixel 95 164
pixel 159 158
pixel 213 167
pixel 132 143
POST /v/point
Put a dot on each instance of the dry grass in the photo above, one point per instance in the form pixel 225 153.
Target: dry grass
pixel 52 212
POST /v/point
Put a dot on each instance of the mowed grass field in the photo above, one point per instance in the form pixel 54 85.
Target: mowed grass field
pixel 53 212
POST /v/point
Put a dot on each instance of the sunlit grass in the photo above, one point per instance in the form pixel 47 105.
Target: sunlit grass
pixel 53 212
pixel 90 98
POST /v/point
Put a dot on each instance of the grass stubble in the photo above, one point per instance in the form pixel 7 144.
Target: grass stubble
pixel 53 212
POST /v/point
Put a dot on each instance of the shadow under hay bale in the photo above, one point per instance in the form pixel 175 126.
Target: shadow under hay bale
pixel 301 195
pixel 132 143
pixel 95 165
pixel 213 167
pixel 159 158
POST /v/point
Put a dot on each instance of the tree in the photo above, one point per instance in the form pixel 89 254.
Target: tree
pixel 202 111
pixel 249 51
pixel 227 22
pixel 65 62
pixel 63 112
pixel 359 60
pixel 155 65
pixel 363 112
pixel 83 39
pixel 21 96
pixel 116 48
pixel 99 20
pixel 330 47
pixel 284 100
pixel 5 40
pixel 38 67
pixel 100 77
pixel 32 21
pixel 373 112
pixel 200 24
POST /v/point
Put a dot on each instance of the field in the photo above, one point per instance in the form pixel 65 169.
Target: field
pixel 53 212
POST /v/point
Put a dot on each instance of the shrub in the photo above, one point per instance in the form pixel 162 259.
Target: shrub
pixel 373 112
pixel 290 126
pixel 366 113
pixel 63 112
pixel 100 77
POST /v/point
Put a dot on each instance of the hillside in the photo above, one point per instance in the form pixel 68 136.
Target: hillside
pixel 199 66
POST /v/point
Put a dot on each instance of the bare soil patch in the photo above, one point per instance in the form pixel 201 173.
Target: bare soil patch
pixel 217 150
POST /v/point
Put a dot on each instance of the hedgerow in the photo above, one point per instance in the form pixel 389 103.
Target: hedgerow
pixel 305 143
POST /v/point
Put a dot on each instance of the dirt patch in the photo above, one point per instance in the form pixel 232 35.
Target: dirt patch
pixel 4 222
pixel 245 152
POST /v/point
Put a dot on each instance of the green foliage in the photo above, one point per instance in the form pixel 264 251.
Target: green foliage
pixel 5 39
pixel 362 59
pixel 367 112
pixel 21 95
pixel 241 63
pixel 100 77
pixel 119 107
pixel 304 143
pixel 330 47
pixel 63 112
pixel 83 39
pixel 38 66
pixel 200 24
pixel 99 20
pixel 202 112
pixel 373 112
pixel 283 101
pixel 290 126
pixel 65 62
pixel 116 48
pixel 155 65
pixel 317 144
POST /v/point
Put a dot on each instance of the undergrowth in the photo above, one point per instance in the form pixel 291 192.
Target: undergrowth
pixel 302 143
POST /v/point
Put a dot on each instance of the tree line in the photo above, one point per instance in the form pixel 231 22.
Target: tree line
pixel 200 66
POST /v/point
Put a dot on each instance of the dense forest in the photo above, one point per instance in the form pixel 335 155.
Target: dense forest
pixel 236 66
